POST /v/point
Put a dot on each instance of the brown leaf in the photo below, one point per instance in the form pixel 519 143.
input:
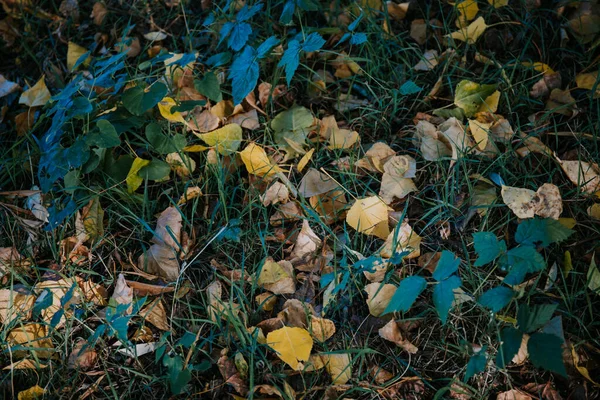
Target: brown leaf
pixel 392 332
pixel 33 338
pixel 321 329
pixel 161 257
pixel 123 294
pixel 315 183
pixel 82 356
pixel 156 314
pixel 99 12
pixel 276 193
pixel 230 374
pixel 296 313
pixel 307 242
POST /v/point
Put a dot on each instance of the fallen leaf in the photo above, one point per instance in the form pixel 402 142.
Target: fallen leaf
pixel 34 392
pixel 526 203
pixel 369 216
pixel 376 157
pixel 307 242
pixel 37 95
pixel 593 276
pixel 523 354
pixel 202 120
pixel 257 162
pixel 391 331
pixel 6 86
pixel 15 305
pixel 594 211
pixel 74 53
pixel 276 193
pixel 165 107
pixel 161 258
pixel 433 145
pixel 418 31
pixel 182 164
pixel 156 314
pixel 467 10
pixel 480 132
pixel 315 183
pixel 456 135
pixel 330 205
pixel 396 181
pixel 428 62
pixel 296 313
pixel 155 36
pixel 277 277
pixel 93 219
pixel 582 370
pixel 225 140
pixel 99 12
pixel 513 394
pixel 498 3
pixel 561 102
pixel 405 239
pixel 82 356
pixel 305 160
pixel 293 345
pixel 32 339
pixel 472 97
pixel 266 301
pixel 338 366
pixel 191 192
pixel 123 294
pixel 397 11
pixel 57 290
pixel 134 180
pixel 471 33
pixel 583 174
pixel 587 81
pixel 321 329
pixel 25 364
pixel 379 296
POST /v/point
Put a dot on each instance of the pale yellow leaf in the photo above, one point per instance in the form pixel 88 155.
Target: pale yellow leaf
pixel 379 296
pixel 519 200
pixel 369 216
pixel 182 164
pixel 471 33
pixel 307 242
pixel 37 95
pixel 405 239
pixel 277 277
pixel 392 332
pixel 257 162
pixel 25 364
pixel 589 81
pixel 498 3
pixel 467 10
pixel 191 192
pixel 582 174
pixel 490 104
pixel 305 159
pixel 74 52
pixel 34 392
pixel 582 370
pixel 594 211
pixel 133 180
pixel 276 193
pixel 593 276
pixel 395 187
pixel 480 132
pixel 343 139
pixel 339 367
pixel 321 328
pixel 33 339
pixel 293 345
pixel 156 314
pixel 165 106
pixel 15 305
pixel 225 140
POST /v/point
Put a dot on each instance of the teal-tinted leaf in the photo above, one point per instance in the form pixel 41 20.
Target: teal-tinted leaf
pixel 291 59
pixel 265 48
pixel 155 171
pixel 409 289
pixel 117 169
pixel 239 35
pixel 555 327
pixel 43 301
pixel 72 181
pixel 78 153
pixel 497 298
pixel 447 265
pixel 488 247
pixel 137 101
pixel 209 86
pixel 532 319
pixel 248 12
pixel 545 351
pixel 476 364
pixel 541 231
pixel 313 42
pixel 511 342
pixel 520 261
pixel 219 59
pixel 79 107
pixel 244 74
pixel 106 137
pixel 162 143
pixel 443 296
pixel 187 340
pixel 408 87
pixel 288 12
pixel 93 162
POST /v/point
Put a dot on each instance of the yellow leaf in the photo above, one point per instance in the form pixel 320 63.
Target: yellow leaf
pixel 406 239
pixel 34 392
pixel 182 164
pixel 257 162
pixel 467 10
pixel 369 216
pixel 339 367
pixel 305 159
pixel 471 33
pixel 225 140
pixel 37 95
pixel 293 345
pixel 277 277
pixel 32 339
pixel 539 67
pixel 568 263
pixel 490 104
pixel 568 223
pixel 583 174
pixel 74 53
pixel 594 211
pixel 526 203
pixel 498 3
pixel 165 106
pixel 15 305
pixel 196 148
pixel 93 218
pixel 190 193
pixel 593 276
pixel 321 328
pixel 133 179
pixel 25 364
pixel 379 296
pixel 392 332
pixel 582 370
pixel 589 81
pixel 480 132
pixel 156 314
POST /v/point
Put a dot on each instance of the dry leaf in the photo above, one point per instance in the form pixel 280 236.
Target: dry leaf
pixel 276 193
pixel 339 367
pixel 293 345
pixel 34 392
pixel 6 86
pixel 369 216
pixel 396 182
pixel 396 11
pixel 594 211
pixel 406 239
pixel 315 183
pixel 99 12
pixel 25 364
pixel 480 132
pixel 277 277
pixel 432 143
pixel 15 305
pixel 467 10
pixel 165 106
pixel 191 192
pixel 379 296
pixel 513 394
pixel 296 313
pixel 156 314
pixel 307 242
pixel 582 174
pixel 418 31
pixel 376 157
pixel 82 356
pixel 33 338
pixel 526 203
pixel 37 95
pixel 322 329
pixel 471 33
pixel 305 160
pixel 379 268
pixel 330 205
pixel 257 162
pixel 391 331
pixel 247 120
pixel 266 301
pixel 161 258
pixel 225 140
pixel 74 53
pixel 182 164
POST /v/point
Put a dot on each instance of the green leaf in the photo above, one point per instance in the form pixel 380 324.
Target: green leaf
pixel 137 101
pixel 476 364
pixel 488 247
pixel 292 126
pixel 543 231
pixel 593 276
pixel 162 143
pixel 497 298
pixel 545 351
pixel 409 289
pixel 209 86
pixel 520 261
pixel 446 266
pixel 443 296
pixel 470 95
pixel 532 319
pixel 511 342
pixel 156 170
pixel 107 136
pixel 446 113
